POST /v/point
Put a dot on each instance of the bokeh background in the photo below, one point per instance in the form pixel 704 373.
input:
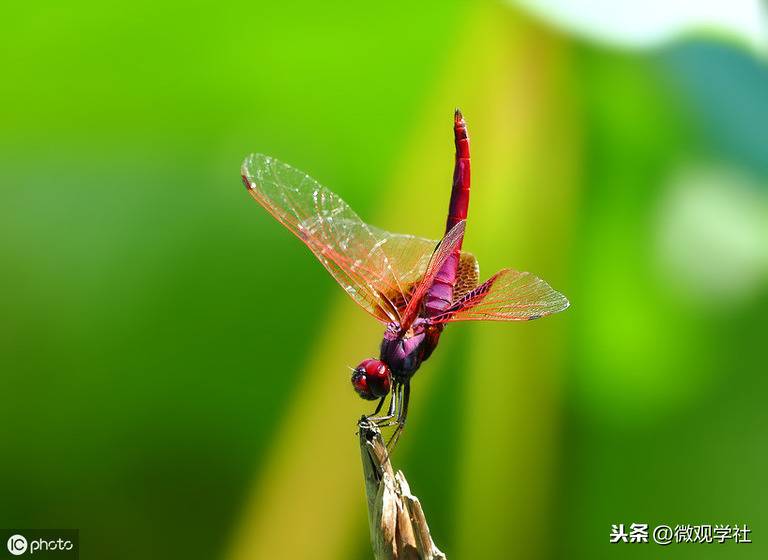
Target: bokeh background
pixel 173 364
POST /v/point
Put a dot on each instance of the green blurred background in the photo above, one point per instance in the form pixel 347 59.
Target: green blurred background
pixel 173 363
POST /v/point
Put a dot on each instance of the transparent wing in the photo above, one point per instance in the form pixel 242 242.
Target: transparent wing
pixel 411 256
pixel 508 295
pixel 409 253
pixel 357 255
pixel 447 245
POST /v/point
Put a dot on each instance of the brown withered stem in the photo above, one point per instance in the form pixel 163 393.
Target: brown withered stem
pixel 398 528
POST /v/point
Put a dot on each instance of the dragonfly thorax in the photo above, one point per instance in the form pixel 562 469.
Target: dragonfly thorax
pixel 404 350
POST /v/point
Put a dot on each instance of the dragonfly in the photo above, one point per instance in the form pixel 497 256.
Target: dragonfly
pixel 412 285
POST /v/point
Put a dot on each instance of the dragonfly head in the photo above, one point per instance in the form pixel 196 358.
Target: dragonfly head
pixel 372 379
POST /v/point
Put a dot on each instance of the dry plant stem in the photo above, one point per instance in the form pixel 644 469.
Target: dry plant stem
pixel 399 530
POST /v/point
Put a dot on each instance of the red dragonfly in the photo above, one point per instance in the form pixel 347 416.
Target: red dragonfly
pixel 414 286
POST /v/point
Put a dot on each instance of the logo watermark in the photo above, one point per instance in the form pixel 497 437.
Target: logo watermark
pixel 17 545
pixel 666 534
pixel 40 543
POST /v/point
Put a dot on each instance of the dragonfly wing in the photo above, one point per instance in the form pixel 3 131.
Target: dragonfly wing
pixel 409 253
pixel 412 254
pixel 352 251
pixel 447 245
pixel 409 256
pixel 508 295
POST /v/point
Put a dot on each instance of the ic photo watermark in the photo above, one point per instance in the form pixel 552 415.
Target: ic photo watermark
pixel 40 543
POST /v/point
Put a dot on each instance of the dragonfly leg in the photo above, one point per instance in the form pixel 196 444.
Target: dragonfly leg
pixel 383 420
pixel 403 413
pixel 395 408
pixel 378 407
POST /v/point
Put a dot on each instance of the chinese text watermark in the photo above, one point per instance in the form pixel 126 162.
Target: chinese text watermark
pixel 666 534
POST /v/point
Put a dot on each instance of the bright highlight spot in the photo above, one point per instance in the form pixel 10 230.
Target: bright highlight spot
pixel 637 24
pixel 713 236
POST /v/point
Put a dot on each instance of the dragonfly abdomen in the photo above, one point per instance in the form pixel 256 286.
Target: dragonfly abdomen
pixel 440 294
pixel 459 205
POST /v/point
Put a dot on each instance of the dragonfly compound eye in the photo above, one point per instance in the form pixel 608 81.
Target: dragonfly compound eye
pixel 372 379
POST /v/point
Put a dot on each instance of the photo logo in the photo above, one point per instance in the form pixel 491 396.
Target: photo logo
pixel 46 543
pixel 17 545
